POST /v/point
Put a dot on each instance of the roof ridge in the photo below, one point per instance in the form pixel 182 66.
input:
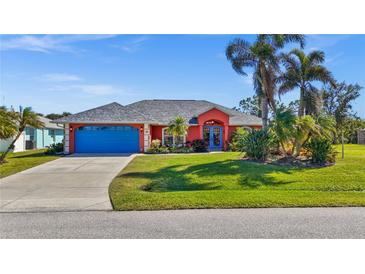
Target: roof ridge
pixel 112 103
pixel 172 100
pixel 88 110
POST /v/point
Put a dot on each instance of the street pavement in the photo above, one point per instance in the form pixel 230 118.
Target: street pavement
pixel 278 223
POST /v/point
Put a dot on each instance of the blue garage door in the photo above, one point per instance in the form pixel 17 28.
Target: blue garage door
pixel 106 139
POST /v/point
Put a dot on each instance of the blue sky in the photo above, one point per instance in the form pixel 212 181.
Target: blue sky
pixel 55 73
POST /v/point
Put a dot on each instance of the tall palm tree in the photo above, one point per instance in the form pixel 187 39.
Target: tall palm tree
pixel 301 72
pixel 263 57
pixel 25 117
pixel 178 127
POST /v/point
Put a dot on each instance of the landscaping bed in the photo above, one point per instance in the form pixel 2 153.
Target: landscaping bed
pixel 224 180
pixel 302 162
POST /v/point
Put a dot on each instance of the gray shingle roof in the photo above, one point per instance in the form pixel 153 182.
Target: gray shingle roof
pixel 156 112
pixel 163 111
pixel 48 123
pixel 110 113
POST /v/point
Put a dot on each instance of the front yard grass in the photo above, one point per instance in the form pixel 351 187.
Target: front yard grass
pixel 20 161
pixel 222 180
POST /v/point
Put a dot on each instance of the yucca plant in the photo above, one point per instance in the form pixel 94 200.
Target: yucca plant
pixel 257 144
pixel 321 150
pixel 237 139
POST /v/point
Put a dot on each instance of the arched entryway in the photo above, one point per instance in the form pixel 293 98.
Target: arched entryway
pixel 213 134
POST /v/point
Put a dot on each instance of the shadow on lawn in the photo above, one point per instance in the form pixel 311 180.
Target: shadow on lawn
pixel 181 177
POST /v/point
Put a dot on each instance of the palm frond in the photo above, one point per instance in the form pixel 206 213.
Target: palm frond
pixel 319 73
pixel 29 118
pixel 238 52
pixel 316 57
pixel 299 54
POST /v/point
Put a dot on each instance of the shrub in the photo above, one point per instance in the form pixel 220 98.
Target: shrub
pixel 163 149
pixel 180 149
pixel 155 146
pixel 321 150
pixel 55 149
pixel 158 150
pixel 155 143
pixel 199 145
pixel 237 139
pixel 257 144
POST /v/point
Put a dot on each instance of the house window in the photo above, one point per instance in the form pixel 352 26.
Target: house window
pixel 169 140
pixel 52 133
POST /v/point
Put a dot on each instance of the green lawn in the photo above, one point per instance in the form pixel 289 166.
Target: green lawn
pixel 19 161
pixel 222 180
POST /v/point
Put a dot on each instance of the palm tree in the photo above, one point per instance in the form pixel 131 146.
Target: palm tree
pixel 8 126
pixel 262 56
pixel 283 127
pixel 301 71
pixel 304 128
pixel 178 127
pixel 25 117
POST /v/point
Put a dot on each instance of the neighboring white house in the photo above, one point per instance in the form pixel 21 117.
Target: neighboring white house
pixel 19 144
pixel 33 138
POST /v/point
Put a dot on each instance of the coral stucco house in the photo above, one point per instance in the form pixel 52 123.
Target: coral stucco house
pixel 114 128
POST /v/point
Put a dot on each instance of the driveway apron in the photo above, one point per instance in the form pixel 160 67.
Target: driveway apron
pixel 77 182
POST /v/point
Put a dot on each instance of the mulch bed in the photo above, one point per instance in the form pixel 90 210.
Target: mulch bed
pixel 302 162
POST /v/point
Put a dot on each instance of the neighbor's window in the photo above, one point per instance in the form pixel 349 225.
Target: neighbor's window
pixel 169 140
pixel 52 133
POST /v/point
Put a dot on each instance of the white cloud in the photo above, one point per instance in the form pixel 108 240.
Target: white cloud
pixel 132 45
pixel 90 89
pixel 316 42
pixel 59 77
pixel 97 89
pixel 46 43
pixel 334 58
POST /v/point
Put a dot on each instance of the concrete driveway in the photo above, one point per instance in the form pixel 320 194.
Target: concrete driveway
pixel 70 183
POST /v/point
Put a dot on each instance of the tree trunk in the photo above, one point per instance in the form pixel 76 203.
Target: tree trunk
pixel 301 102
pixel 300 114
pixel 264 99
pixel 342 145
pixel 265 111
pixel 3 155
pixel 298 147
pixel 284 150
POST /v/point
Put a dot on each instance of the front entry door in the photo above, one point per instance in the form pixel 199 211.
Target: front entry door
pixel 213 136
